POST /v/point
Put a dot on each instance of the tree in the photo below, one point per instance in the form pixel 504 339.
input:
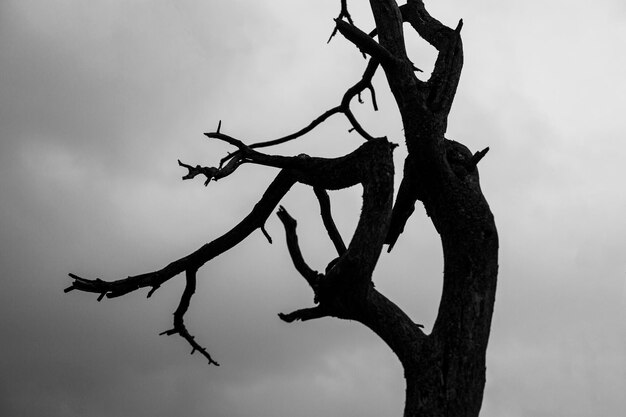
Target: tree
pixel 444 370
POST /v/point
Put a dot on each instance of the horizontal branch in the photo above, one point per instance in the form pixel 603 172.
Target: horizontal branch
pixel 305 314
pixel 356 167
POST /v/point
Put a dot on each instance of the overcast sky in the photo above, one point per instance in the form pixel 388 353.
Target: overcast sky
pixel 98 99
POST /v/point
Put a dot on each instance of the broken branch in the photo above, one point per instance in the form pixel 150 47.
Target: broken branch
pixel 327 218
pixel 289 223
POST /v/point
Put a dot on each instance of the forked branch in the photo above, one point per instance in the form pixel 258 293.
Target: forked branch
pixel 343 108
pixel 179 317
pixel 365 165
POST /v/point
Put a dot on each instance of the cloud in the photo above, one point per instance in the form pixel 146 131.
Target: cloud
pixel 98 100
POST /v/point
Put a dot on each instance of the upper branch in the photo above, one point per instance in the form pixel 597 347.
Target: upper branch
pixel 365 42
pixel 447 71
pixel 343 13
pixel 344 107
pixel 389 27
pixel 430 29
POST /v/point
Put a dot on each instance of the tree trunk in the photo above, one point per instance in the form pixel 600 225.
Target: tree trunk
pixel 445 371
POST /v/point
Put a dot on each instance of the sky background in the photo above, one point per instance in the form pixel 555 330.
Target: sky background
pixel 99 99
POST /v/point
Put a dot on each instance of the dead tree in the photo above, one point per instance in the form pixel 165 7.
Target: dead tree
pixel 444 370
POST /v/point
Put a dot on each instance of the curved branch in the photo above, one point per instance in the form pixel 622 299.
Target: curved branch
pixel 389 27
pixel 316 122
pixel 364 83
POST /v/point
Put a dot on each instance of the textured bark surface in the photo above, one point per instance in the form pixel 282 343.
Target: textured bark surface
pixel 445 370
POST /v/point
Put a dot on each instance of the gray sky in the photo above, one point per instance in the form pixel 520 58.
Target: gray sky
pixel 97 101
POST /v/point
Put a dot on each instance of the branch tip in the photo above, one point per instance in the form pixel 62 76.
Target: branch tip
pixel 477 157
pixel 304 314
pixel 459 26
pixel 267 235
pixel 152 291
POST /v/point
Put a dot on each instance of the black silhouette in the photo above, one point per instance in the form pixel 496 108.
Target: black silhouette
pixel 444 370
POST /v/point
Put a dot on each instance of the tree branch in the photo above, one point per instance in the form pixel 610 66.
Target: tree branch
pixel 179 317
pixel 404 206
pixel 446 73
pixel 389 27
pixel 364 83
pixel 327 218
pixel 277 189
pixel 478 156
pixel 289 224
pixel 430 29
pixel 365 42
pixel 369 164
pixel 305 314
pixel 344 13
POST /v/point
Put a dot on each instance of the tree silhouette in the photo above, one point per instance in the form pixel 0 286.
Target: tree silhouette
pixel 444 370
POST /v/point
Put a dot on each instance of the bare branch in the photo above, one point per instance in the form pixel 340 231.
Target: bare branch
pixel 371 159
pixel 277 189
pixel 316 122
pixel 430 29
pixel 344 13
pixel 290 224
pixel 405 203
pixel 389 27
pixel 208 172
pixel 179 317
pixel 327 218
pixel 365 43
pixel 267 235
pixel 445 76
pixel 478 156
pixel 364 83
pixel 305 314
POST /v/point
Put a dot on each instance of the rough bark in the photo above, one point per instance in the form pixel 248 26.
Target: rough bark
pixel 445 370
